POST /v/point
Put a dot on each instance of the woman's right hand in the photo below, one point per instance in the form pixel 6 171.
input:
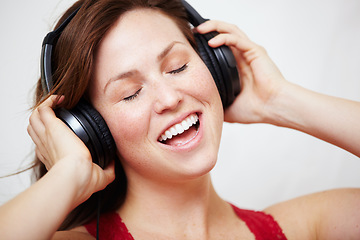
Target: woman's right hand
pixel 58 147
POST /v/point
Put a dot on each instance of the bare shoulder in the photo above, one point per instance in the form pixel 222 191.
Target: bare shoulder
pixel 78 233
pixel 333 214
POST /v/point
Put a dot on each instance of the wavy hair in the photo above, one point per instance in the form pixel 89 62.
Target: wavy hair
pixel 73 66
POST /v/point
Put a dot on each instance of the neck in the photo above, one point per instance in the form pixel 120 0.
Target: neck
pixel 174 208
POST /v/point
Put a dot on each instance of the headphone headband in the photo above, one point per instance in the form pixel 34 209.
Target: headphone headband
pixel 89 125
pixel 46 53
pixel 220 61
pixel 194 17
pixel 225 73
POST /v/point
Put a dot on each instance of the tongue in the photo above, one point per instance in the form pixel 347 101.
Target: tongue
pixel 183 138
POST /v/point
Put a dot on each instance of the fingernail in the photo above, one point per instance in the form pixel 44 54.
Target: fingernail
pixel 212 41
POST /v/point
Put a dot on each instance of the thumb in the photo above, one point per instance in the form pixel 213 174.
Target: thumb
pixel 105 176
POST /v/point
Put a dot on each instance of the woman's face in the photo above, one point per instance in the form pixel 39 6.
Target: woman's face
pixel 158 99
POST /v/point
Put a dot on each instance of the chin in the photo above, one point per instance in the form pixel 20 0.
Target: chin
pixel 196 168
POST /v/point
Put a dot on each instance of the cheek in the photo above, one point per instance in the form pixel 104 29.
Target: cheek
pixel 128 128
pixel 204 86
pixel 210 94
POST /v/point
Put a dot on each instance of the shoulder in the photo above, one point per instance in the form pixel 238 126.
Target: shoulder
pixel 78 233
pixel 327 215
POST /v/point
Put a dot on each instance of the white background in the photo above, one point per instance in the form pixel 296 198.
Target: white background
pixel 314 43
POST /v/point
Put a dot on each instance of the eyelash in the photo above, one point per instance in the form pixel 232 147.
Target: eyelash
pixel 179 70
pixel 132 96
pixel 182 68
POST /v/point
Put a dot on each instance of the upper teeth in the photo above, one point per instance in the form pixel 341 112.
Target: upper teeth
pixel 180 127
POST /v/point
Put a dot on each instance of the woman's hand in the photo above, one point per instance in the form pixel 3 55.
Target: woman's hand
pixel 260 78
pixel 71 179
pixel 266 97
pixel 58 147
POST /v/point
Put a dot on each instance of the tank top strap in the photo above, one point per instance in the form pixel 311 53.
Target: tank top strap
pixel 262 225
pixel 110 227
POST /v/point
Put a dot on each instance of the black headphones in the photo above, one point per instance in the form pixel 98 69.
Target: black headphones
pixel 88 124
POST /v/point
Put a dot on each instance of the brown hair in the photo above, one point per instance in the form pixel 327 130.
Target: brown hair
pixel 73 65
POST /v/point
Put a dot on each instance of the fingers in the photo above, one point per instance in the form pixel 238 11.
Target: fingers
pixel 221 27
pixel 260 78
pixel 45 110
pixel 36 129
pixel 39 149
pixel 230 35
pixel 40 113
pixel 41 126
pixel 57 147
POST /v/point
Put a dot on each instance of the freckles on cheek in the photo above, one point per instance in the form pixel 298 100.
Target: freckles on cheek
pixel 203 83
pixel 128 129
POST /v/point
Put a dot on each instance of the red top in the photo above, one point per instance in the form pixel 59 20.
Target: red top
pixel 262 225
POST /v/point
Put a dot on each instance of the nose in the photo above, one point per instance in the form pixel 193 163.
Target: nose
pixel 167 97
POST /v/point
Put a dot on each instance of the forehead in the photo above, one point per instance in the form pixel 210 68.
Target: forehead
pixel 140 29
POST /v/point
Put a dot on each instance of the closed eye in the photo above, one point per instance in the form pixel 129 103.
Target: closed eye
pixel 129 98
pixel 182 68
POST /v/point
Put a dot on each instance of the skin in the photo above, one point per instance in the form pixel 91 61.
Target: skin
pixel 159 177
pixel 128 62
pixel 268 98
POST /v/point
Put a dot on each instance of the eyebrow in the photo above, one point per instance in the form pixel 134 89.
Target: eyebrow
pixel 166 51
pixel 130 73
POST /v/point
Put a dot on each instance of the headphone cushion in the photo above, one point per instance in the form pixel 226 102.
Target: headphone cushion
pixel 102 131
pixel 208 56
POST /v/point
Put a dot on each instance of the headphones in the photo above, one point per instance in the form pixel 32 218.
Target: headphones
pixel 88 124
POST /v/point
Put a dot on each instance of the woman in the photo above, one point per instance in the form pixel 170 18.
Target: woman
pixel 143 75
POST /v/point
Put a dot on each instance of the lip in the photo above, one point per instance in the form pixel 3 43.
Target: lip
pixel 191 144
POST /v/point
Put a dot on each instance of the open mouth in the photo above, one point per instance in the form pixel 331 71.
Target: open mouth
pixel 181 133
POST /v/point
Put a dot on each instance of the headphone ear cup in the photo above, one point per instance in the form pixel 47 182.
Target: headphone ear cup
pixel 90 127
pixel 207 55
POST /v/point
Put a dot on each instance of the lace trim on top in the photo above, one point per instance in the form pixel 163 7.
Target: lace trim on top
pixel 262 225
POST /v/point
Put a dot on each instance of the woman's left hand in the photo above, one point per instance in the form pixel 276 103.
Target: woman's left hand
pixel 266 97
pixel 259 76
